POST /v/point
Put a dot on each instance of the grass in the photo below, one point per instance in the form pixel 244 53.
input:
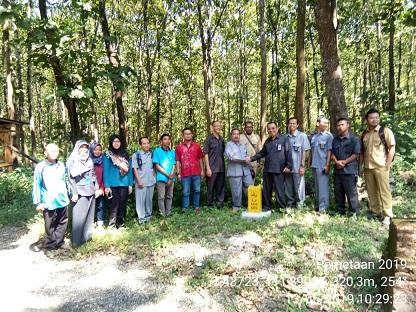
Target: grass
pixel 290 268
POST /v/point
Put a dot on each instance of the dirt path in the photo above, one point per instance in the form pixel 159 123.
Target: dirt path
pixel 31 281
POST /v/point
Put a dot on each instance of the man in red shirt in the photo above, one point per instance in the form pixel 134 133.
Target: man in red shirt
pixel 189 165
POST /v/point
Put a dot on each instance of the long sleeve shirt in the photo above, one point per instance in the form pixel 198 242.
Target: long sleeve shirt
pixel 277 154
pixel 112 176
pixel 49 185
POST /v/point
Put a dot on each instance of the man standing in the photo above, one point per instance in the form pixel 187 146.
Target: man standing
pixel 345 152
pixel 321 144
pixel 189 165
pixel 278 161
pixel 295 180
pixel 214 147
pixel 252 143
pixel 378 148
pixel 238 171
pixel 50 195
pixel 164 161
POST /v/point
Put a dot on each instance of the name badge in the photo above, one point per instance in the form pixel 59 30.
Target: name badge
pixel 322 145
pixel 279 147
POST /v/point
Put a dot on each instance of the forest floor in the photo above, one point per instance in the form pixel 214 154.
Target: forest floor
pixel 214 261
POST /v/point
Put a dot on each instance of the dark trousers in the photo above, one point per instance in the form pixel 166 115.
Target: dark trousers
pixel 118 205
pixel 346 185
pixel 216 182
pixel 82 220
pixel 56 222
pixel 276 182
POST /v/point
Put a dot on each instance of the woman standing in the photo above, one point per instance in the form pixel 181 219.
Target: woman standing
pixel 96 154
pixel 84 188
pixel 118 180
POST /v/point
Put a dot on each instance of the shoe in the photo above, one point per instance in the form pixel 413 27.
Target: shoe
pixel 236 209
pixel 185 210
pixel 353 215
pixel 197 211
pixel 386 221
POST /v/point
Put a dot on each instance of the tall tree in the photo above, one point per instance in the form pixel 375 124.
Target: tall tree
pixel 327 24
pixel 392 86
pixel 114 60
pixel 7 61
pixel 300 62
pixel 61 79
pixel 263 74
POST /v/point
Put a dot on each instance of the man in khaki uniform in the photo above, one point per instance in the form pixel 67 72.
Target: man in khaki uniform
pixel 252 143
pixel 378 151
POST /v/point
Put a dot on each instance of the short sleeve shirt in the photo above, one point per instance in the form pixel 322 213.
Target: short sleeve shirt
pixel 344 147
pixel 165 159
pixel 214 148
pixel 189 158
pixel 299 143
pixel 374 150
pixel 144 165
pixel 321 143
pixel 249 141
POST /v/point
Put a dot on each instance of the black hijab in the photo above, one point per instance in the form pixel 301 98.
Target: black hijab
pixel 121 152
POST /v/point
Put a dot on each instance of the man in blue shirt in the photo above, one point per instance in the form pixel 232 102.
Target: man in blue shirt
pixel 345 152
pixel 50 195
pixel 164 161
pixel 295 180
pixel 321 144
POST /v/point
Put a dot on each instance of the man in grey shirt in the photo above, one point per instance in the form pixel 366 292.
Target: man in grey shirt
pixel 145 180
pixel 238 171
pixel 321 145
pixel 295 180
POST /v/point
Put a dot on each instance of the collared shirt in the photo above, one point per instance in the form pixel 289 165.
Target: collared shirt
pixel 278 154
pixel 166 159
pixel 236 152
pixel 189 158
pixel 344 147
pixel 299 143
pixel 374 150
pixel 252 143
pixel 321 143
pixel 214 148
pixel 49 185
pixel 145 168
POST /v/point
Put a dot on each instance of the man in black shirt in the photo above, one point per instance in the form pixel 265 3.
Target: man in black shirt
pixel 345 151
pixel 214 147
pixel 278 160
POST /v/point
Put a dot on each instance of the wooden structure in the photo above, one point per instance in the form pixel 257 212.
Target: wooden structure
pixel 7 135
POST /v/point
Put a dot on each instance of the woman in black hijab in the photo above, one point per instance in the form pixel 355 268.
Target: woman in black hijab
pixel 118 179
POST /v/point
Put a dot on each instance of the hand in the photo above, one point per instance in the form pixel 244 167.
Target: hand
pixel 388 165
pixel 302 171
pixel 98 193
pixel 248 160
pixel 326 169
pixel 130 189
pixel 40 207
pixel 107 191
pixel 172 175
pixel 209 172
pixel 338 164
pixel 74 198
pixel 286 170
pixel 139 184
pixel 202 173
pixel 169 183
pixel 179 177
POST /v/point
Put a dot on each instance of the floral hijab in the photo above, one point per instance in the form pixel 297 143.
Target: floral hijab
pixel 119 157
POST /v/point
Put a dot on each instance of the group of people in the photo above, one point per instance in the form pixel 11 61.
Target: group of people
pixel 90 176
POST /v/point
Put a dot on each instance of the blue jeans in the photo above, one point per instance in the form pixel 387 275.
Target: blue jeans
pixel 99 207
pixel 187 182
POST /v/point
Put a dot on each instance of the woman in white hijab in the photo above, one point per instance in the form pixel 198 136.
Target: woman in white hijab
pixel 84 188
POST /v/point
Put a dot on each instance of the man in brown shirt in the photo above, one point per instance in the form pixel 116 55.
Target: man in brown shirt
pixel 252 142
pixel 378 152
